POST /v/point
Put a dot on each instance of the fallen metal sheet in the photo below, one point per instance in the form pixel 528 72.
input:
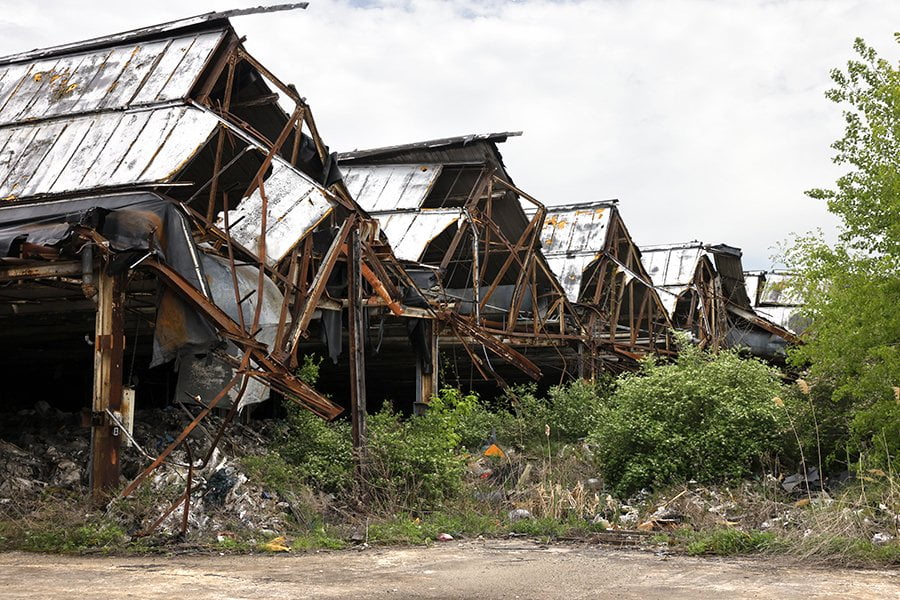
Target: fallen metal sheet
pixel 390 187
pixel 204 375
pixel 101 150
pixel 296 204
pixel 117 78
pixel 409 233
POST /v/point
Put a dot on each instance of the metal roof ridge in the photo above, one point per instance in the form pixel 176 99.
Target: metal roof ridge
pixel 145 32
pixel 676 246
pixel 612 202
pixel 430 144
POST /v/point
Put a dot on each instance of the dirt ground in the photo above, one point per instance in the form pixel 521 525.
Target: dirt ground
pixel 489 569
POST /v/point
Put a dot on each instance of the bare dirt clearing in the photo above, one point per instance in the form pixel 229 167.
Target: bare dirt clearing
pixel 492 569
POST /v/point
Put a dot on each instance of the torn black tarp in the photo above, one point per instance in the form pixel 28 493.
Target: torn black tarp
pixel 138 224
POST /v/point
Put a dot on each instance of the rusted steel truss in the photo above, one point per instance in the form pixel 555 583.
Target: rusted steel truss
pixel 480 246
pixel 624 313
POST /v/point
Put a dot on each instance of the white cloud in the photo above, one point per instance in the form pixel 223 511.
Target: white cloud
pixel 706 119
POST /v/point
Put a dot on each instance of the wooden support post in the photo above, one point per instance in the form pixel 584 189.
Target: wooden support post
pixel 357 337
pixel 109 349
pixel 427 383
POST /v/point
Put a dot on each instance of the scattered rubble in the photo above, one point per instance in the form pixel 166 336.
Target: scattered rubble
pixel 45 454
pixel 519 514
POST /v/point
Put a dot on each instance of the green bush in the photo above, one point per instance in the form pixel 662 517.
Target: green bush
pixel 320 452
pixel 571 411
pixel 414 463
pixel 705 416
pixel 465 415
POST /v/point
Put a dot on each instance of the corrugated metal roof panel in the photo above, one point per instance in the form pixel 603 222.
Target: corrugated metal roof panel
pixel 671 266
pixel 572 238
pixel 575 230
pixel 390 187
pixel 100 150
pixel 296 204
pixel 107 79
pixel 570 271
pixel 409 233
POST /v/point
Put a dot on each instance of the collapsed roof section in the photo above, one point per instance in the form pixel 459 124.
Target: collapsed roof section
pixel 703 288
pixel 772 298
pixel 590 250
pixel 162 158
pixel 450 205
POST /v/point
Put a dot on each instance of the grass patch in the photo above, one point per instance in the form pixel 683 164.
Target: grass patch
pixel 272 472
pixel 103 536
pixel 319 539
pixel 719 542
pixel 405 529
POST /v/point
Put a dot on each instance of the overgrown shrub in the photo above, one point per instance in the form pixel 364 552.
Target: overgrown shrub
pixel 705 416
pixel 415 463
pixel 321 452
pixel 571 411
pixel 466 415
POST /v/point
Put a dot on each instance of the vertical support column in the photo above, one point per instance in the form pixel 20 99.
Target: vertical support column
pixel 356 326
pixel 427 383
pixel 109 349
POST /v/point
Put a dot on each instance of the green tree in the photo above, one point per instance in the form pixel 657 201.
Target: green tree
pixel 852 289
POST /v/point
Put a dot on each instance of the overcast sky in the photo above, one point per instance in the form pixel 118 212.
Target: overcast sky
pixel 707 120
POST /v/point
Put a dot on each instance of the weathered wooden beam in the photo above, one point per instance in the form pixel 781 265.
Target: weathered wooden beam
pixel 109 349
pixel 357 340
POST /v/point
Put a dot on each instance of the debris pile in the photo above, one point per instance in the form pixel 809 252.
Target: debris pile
pixel 44 455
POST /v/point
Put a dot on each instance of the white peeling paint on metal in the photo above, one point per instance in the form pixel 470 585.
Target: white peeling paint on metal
pixel 296 204
pixel 570 272
pixel 672 266
pixel 101 150
pixel 409 233
pixel 668 296
pixel 751 282
pixel 390 187
pixel 107 79
pixel 572 239
pixel 575 231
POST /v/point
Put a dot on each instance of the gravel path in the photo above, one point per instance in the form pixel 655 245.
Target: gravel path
pixel 489 569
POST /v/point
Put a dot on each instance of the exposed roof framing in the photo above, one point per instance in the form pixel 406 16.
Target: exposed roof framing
pixel 591 252
pixel 704 289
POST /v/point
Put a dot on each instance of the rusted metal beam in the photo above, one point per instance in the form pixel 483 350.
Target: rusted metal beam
pixel 220 144
pixel 463 327
pixel 41 271
pixel 318 285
